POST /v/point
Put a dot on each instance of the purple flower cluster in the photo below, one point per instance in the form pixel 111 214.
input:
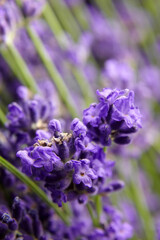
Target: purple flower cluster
pixel 73 165
pixel 113 118
pixel 70 165
pixel 30 114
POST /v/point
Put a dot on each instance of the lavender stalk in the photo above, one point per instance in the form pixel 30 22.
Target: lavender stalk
pixel 93 217
pixel 27 76
pixel 19 67
pixel 53 23
pixel 106 7
pixel 66 18
pixel 141 205
pixel 78 12
pixel 10 61
pixel 98 203
pixel 135 192
pixel 2 116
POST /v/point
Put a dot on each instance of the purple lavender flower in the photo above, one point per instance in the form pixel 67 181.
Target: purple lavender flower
pixel 113 117
pixel 55 126
pixel 119 74
pixel 83 173
pixel 69 164
pixel 25 117
pixel 78 128
pixel 105 43
pixel 114 186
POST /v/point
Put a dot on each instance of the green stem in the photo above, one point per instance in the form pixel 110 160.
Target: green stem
pixel 94 219
pixel 2 117
pixel 54 24
pixel 54 74
pixel 147 162
pixel 153 8
pixel 28 79
pixel 12 64
pixel 66 209
pixel 66 18
pixel 98 203
pixel 80 15
pixel 84 86
pixel 34 187
pixel 107 7
pixel 136 193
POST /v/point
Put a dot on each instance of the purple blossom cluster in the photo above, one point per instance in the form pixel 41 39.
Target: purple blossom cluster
pixel 30 114
pixel 73 165
pixel 113 118
pixel 70 166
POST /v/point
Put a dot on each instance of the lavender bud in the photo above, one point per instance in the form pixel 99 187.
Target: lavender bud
pixel 122 140
pixel 12 225
pixel 114 186
pixel 37 228
pixel 17 208
pixel 26 224
pixel 55 126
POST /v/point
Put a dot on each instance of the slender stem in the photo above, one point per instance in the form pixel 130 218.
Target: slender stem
pixel 33 186
pixel 2 117
pixel 98 203
pixel 66 209
pixel 94 219
pixel 5 95
pixel 141 205
pixel 80 15
pixel 66 18
pixel 147 162
pixel 135 192
pixel 107 7
pixel 54 24
pixel 54 74
pixel 12 64
pixel 84 86
pixel 23 69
